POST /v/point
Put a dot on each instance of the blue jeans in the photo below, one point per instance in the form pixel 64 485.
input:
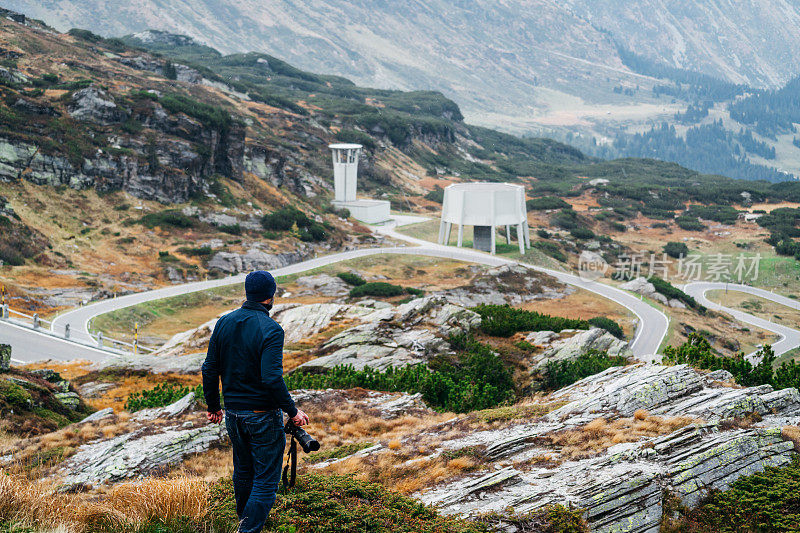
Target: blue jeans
pixel 258 441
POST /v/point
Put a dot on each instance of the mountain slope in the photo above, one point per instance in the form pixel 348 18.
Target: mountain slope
pixel 744 41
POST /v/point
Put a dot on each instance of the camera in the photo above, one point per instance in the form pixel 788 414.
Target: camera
pixel 307 442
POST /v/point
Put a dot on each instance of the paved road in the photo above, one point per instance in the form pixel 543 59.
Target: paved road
pixel 651 329
pixel 28 346
pixel 789 338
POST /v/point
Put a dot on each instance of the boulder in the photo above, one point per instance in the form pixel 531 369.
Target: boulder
pixel 171 411
pixel 300 322
pixel 5 357
pixel 579 344
pixel 70 400
pixel 99 415
pixel 324 285
pixel 645 288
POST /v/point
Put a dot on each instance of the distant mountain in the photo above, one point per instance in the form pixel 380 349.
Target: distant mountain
pixel 588 70
pixel 754 42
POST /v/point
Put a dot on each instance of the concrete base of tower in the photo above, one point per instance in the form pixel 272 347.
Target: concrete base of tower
pixel 367 211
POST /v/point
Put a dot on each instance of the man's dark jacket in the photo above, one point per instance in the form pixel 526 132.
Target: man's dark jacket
pixel 246 351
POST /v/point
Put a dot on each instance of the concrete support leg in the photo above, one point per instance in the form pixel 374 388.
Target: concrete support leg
pixel 527 234
pixel 494 240
pixel 460 235
pixel 447 233
pixel 521 239
pixel 441 232
pixel 508 234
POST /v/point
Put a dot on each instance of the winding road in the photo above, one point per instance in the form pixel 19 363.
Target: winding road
pixel 788 338
pixel 652 325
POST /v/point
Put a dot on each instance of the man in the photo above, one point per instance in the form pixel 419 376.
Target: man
pixel 246 351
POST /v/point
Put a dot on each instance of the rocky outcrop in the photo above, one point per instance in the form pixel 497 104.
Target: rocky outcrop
pixel 578 344
pixel 410 333
pixel 506 284
pixel 135 454
pixel 95 105
pixel 253 259
pixel 622 487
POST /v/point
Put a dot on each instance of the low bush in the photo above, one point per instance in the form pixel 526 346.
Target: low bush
pixel 560 374
pixel 676 249
pixel 169 218
pixel 673 293
pixel 287 218
pixel 547 202
pixel 766 502
pixel 202 251
pixel 351 279
pixel 698 352
pixel 552 249
pixel 582 233
pixel 380 289
pixel 160 396
pixel 504 321
pixel 473 379
pixel 609 325
pixel 435 195
pixel 689 223
pixel 338 504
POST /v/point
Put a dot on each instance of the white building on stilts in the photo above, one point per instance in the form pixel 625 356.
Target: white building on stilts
pixel 485 206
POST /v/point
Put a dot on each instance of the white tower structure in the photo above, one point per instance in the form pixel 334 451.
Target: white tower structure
pixel 345 183
pixel 485 206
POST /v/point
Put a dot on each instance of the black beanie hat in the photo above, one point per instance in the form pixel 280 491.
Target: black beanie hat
pixel 259 286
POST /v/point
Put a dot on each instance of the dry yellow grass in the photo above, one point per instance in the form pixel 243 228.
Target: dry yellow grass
pixel 792 433
pixel 600 434
pixel 38 505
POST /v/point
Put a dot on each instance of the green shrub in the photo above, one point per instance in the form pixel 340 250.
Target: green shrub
pixel 724 214
pixel 210 116
pixel 547 202
pixel 697 352
pixel 286 218
pixel 582 233
pixel 169 218
pixel 671 292
pixel 203 251
pixel 351 279
pixel 552 249
pixel 160 396
pixel 349 135
pixel 474 379
pixel 14 395
pixel 436 195
pixel 609 325
pixel 618 226
pixel 543 233
pixel 338 504
pixel 560 374
pixel 766 502
pixel 377 288
pixel 676 249
pixel 415 292
pixel 232 229
pixel 689 223
pixel 566 219
pixel 504 321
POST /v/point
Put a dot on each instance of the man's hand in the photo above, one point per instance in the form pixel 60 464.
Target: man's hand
pixel 300 419
pixel 214 418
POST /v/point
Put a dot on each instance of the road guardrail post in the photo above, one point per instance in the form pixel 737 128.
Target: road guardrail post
pixel 4 311
pixel 35 320
pixel 66 331
pixel 100 339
